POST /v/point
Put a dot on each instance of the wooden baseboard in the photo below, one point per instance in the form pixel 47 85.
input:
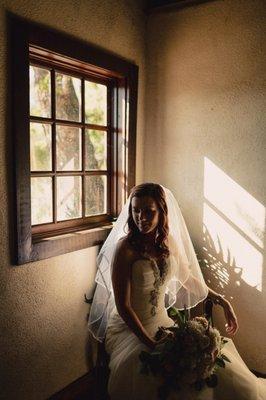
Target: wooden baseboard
pixel 81 389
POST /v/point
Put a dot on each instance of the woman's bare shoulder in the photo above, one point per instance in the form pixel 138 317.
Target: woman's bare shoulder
pixel 124 250
pixel 124 246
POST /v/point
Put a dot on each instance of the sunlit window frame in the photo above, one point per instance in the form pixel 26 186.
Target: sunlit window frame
pixel 32 43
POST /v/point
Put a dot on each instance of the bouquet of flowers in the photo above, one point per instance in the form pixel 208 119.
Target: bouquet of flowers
pixel 189 356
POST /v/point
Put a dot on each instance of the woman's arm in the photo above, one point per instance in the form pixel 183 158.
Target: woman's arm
pixel 231 326
pixel 230 316
pixel 121 279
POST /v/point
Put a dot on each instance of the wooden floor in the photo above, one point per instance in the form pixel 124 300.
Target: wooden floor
pixel 83 388
pixel 92 386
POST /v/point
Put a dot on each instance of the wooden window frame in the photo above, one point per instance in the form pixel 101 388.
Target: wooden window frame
pixel 33 244
pixel 50 62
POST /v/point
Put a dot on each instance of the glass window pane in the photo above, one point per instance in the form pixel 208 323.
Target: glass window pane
pixel 68 148
pixel 40 92
pixel 95 195
pixel 41 200
pixel 68 197
pixel 95 150
pixel 40 147
pixel 95 103
pixel 68 97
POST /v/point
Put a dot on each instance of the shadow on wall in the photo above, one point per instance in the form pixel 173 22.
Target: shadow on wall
pixel 233 247
pixel 222 272
pixel 234 226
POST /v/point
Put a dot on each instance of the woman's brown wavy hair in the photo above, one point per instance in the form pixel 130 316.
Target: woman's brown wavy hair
pixel 157 193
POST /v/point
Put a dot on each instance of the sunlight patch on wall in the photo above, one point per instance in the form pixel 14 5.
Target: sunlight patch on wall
pixel 228 211
pixel 247 213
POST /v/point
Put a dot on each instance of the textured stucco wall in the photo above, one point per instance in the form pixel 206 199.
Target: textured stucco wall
pixel 43 315
pixel 206 101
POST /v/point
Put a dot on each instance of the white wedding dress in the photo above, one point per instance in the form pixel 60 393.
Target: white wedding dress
pixel 235 382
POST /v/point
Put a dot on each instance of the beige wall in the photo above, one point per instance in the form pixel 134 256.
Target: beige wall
pixel 43 315
pixel 205 114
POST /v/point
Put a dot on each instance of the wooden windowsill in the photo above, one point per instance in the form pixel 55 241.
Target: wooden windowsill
pixel 66 243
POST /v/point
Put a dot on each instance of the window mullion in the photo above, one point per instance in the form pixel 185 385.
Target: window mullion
pixel 110 195
pixel 83 146
pixel 113 147
pixel 54 161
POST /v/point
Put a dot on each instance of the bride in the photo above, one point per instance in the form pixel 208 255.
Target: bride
pixel 146 265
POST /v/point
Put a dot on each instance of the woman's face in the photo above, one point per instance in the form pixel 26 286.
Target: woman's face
pixel 145 213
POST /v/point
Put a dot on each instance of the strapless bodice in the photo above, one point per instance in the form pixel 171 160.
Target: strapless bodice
pixel 148 287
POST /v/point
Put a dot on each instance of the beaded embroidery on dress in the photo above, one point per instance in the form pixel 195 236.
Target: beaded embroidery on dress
pixel 160 270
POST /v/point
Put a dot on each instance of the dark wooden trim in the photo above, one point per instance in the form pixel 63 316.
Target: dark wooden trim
pixel 69 226
pixel 120 141
pixel 115 69
pixel 132 100
pixel 63 63
pixel 57 245
pixel 258 374
pixel 155 6
pixel 83 146
pixel 69 173
pixel 81 389
pixel 54 161
pixel 62 122
pixel 70 67
pixel 20 111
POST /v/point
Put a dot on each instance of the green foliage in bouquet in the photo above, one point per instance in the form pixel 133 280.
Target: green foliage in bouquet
pixel 189 356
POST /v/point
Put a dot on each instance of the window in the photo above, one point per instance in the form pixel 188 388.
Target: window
pixel 74 121
pixel 70 142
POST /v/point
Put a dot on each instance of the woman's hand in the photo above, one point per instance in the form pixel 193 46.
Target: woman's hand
pixel 231 325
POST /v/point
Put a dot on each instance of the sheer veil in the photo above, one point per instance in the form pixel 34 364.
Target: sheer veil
pixel 186 287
